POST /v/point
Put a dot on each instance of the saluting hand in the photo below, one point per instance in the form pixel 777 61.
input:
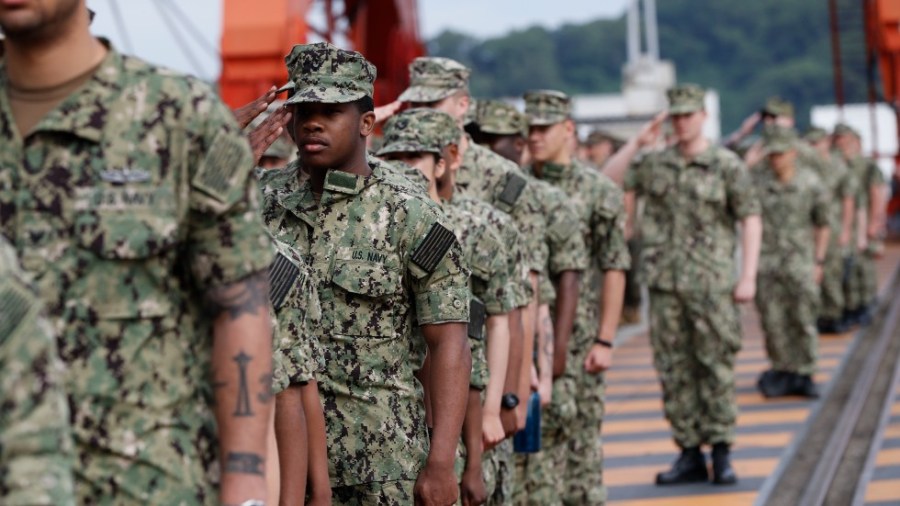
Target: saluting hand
pixel 246 114
pixel 267 133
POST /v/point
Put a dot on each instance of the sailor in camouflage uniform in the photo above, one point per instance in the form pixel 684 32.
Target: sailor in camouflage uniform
pixel 694 195
pixel 842 185
pixel 420 138
pixel 384 260
pixel 36 457
pixel 862 283
pixel 794 203
pixel 130 203
pixel 599 204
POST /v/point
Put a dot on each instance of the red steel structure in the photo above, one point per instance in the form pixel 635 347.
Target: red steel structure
pixel 255 40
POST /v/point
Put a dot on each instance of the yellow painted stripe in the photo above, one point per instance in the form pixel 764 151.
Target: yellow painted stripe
pixel 642 475
pixel 667 446
pixel 893 431
pixel 733 499
pixel 883 490
pixel 649 373
pixel 651 405
pixel 612 387
pixel 744 419
pixel 888 457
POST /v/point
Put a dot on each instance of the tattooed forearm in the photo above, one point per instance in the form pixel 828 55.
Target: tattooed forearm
pixel 547 329
pixel 244 463
pixel 243 400
pixel 244 297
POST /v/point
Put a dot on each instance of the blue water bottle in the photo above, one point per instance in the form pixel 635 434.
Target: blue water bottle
pixel 528 440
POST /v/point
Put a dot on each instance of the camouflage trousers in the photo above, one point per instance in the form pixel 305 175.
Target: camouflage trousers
pixel 388 493
pixel 831 306
pixel 569 467
pixel 695 337
pixel 861 288
pixel 787 307
pixel 500 473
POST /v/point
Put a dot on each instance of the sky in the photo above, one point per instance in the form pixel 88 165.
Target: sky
pixel 149 36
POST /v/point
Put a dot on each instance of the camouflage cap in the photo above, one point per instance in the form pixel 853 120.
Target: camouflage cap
pixel 547 107
pixel 325 73
pixel 432 78
pixel 815 134
pixel 778 139
pixel 500 118
pixel 845 129
pixel 686 98
pixel 777 106
pixel 471 112
pixel 419 130
pixel 598 136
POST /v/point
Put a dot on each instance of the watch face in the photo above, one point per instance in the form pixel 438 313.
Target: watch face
pixel 510 401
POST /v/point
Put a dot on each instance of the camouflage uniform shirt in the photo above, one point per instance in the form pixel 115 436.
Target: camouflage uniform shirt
pixel 382 259
pixel 688 226
pixel 35 438
pixel 128 203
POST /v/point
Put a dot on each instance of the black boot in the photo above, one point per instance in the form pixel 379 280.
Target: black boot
pixel 689 468
pixel 774 383
pixel 723 473
pixel 829 326
pixel 804 386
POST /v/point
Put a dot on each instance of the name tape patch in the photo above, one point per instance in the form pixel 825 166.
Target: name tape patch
pixel 433 248
pixel 282 275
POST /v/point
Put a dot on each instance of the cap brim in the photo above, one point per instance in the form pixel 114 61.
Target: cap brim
pixel 546 120
pixel 425 94
pixel 405 147
pixel 490 129
pixel 310 95
pixel 779 147
pixel 285 87
pixel 684 109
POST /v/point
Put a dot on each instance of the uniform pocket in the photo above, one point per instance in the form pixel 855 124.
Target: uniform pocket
pixel 363 298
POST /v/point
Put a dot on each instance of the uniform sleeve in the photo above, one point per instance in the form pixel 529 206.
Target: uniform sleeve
pixel 440 277
pixel 632 181
pixel 35 439
pixel 298 357
pixel 227 238
pixel 740 191
pixel 490 265
pixel 874 176
pixel 610 248
pixel 565 238
pixel 821 206
pixel 848 185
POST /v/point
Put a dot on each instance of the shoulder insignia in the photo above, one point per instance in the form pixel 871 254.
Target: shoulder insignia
pixel 14 306
pixel 282 275
pixel 436 244
pixel 512 189
pixel 477 319
pixel 225 157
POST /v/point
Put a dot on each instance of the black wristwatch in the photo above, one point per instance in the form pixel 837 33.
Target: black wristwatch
pixel 509 401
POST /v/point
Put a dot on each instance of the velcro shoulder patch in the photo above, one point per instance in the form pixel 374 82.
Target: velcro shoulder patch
pixel 436 244
pixel 512 190
pixel 227 156
pixel 282 275
pixel 15 302
pixel 477 319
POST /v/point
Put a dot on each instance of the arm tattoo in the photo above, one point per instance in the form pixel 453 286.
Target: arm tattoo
pixel 243 400
pixel 244 297
pixel 266 382
pixel 244 463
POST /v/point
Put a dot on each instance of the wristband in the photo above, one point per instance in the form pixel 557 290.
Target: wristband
pixel 604 343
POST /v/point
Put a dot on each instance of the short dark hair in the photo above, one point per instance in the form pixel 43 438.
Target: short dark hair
pixel 364 104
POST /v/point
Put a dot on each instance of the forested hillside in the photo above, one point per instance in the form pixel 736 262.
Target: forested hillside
pixel 746 50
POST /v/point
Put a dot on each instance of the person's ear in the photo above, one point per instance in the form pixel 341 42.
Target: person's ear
pixel 440 167
pixel 367 124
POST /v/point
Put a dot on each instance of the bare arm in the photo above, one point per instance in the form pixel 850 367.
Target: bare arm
pixel 317 475
pixel 599 358
pixel 566 305
pixel 498 361
pixel 618 163
pixel 822 235
pixel 242 368
pixel 291 434
pixel 529 321
pixel 877 210
pixel 545 354
pixel 751 237
pixel 472 486
pixel 510 425
pixel 630 215
pixel 451 366
pixel 848 208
